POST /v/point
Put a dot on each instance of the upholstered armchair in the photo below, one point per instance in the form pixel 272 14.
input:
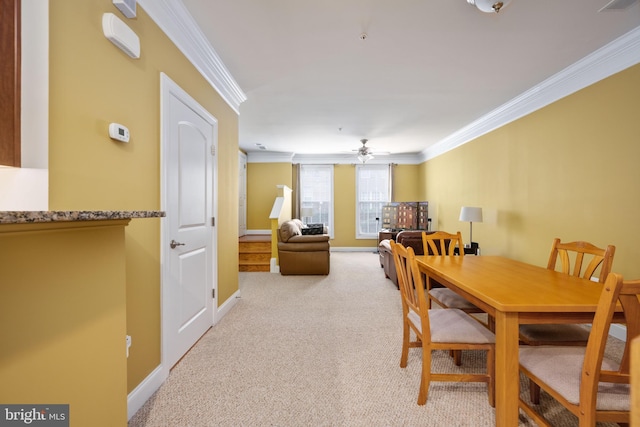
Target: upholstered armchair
pixel 407 238
pixel 300 253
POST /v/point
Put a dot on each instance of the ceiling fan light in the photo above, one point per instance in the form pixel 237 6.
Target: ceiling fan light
pixel 489 6
pixel 363 157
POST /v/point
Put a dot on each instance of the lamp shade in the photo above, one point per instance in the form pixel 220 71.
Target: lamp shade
pixel 471 214
pixel 304 212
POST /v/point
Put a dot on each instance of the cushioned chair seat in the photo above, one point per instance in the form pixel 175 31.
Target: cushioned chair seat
pixel 451 299
pixel 453 325
pixel 560 367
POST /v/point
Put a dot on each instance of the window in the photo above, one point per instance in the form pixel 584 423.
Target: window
pixel 373 190
pixel 316 195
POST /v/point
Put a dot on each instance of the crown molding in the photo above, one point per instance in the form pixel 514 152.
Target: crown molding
pixel 175 21
pixel 269 157
pixel 351 159
pixel 323 159
pixel 612 58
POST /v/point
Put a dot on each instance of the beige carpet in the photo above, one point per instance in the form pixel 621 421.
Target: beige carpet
pixel 318 351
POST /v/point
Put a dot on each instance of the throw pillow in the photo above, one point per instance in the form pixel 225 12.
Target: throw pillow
pixel 289 229
pixel 313 229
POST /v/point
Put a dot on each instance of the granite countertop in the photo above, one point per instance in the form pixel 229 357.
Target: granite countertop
pixel 26 217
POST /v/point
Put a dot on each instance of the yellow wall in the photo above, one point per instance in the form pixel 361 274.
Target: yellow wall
pixel 93 83
pixel 406 183
pixel 62 318
pixel 344 208
pixel 569 170
pixel 262 189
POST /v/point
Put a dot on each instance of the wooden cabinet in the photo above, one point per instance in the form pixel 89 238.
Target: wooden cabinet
pixel 406 216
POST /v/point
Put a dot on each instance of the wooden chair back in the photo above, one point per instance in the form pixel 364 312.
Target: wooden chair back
pixel 615 290
pixel 586 259
pixel 442 243
pixel 601 391
pixel 405 278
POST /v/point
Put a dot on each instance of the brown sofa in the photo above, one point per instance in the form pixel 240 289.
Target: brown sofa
pixel 407 238
pixel 302 254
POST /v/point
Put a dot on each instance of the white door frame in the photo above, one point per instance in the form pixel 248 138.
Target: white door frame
pixel 242 203
pixel 167 87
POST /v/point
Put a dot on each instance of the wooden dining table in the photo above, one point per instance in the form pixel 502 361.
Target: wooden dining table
pixel 514 293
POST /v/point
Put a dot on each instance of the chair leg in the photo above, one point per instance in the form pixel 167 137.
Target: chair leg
pixel 406 337
pixel 491 371
pixel 425 377
pixel 457 357
pixel 534 392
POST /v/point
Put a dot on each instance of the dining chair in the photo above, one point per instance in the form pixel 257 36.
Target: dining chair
pixel 438 329
pixel 590 385
pixel 586 260
pixel 441 243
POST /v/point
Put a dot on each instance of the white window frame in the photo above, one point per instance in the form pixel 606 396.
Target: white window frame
pixel 302 201
pixel 387 199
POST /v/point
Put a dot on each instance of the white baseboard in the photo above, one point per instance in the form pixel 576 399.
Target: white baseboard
pixel 618 331
pixel 226 307
pixel 258 231
pixel 139 396
pixel 353 249
pixel 274 267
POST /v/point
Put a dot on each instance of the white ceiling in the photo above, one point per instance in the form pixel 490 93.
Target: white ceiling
pixel 426 69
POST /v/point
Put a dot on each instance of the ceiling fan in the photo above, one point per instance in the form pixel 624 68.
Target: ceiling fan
pixel 365 153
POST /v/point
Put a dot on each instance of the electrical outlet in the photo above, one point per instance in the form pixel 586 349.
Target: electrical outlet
pixel 128 344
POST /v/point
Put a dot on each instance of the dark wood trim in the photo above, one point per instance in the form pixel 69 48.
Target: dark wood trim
pixel 10 81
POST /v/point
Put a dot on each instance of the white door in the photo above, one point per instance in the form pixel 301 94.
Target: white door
pixel 189 136
pixel 242 209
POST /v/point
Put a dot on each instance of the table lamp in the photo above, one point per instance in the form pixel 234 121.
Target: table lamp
pixel 306 213
pixel 470 214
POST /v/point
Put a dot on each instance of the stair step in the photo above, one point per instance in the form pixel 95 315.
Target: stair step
pixel 254 253
pixel 264 257
pixel 255 268
pixel 254 250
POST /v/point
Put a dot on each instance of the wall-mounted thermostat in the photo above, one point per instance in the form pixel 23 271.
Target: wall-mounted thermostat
pixel 118 132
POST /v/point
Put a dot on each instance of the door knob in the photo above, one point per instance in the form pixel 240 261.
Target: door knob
pixel 175 244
